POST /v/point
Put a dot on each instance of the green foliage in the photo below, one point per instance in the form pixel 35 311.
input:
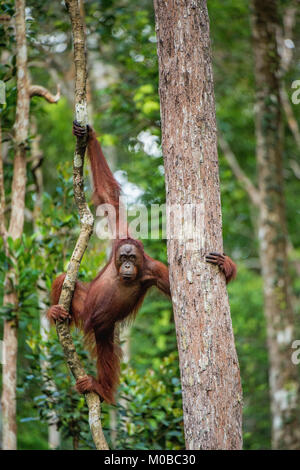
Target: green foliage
pixel 56 399
pixel 22 256
pixel 150 408
pixel 57 140
pixel 246 304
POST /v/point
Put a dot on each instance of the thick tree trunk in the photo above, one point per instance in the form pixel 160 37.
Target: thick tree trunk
pixel 284 388
pixel 9 376
pixel 212 396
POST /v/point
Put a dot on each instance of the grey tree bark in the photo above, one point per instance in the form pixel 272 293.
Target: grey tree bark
pixel 212 395
pixel 283 376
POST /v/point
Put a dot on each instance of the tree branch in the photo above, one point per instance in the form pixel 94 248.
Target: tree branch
pixel 286 56
pixel 288 110
pixel 252 191
pixel 86 222
pixel 295 168
pixel 286 32
pixel 37 90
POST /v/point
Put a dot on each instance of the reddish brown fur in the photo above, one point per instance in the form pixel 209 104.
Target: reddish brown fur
pixel 106 188
pixel 229 269
pixel 108 299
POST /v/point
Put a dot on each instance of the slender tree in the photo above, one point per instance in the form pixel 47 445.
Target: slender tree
pixel 283 375
pixel 212 395
pixel 36 169
pixel 10 337
pixel 86 222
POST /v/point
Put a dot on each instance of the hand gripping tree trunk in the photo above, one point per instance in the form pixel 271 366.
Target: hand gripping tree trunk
pixel 212 396
pixel 283 377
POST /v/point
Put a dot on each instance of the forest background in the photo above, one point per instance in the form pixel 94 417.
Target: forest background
pixel 124 110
